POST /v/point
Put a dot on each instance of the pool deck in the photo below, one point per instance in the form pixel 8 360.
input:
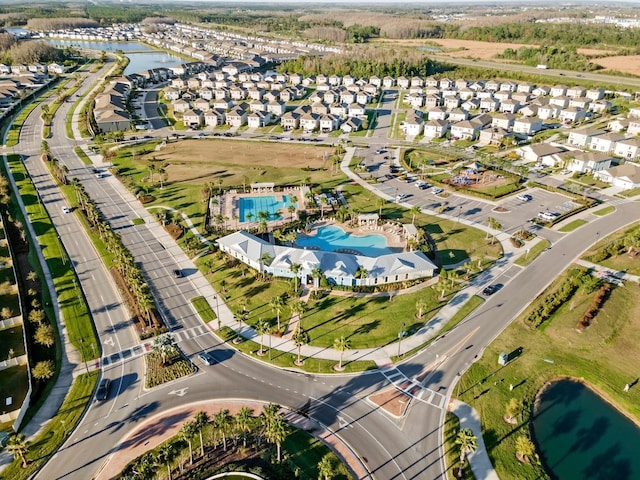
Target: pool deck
pixel 229 205
pixel 390 231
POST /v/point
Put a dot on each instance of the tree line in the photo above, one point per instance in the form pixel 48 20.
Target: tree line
pixel 29 52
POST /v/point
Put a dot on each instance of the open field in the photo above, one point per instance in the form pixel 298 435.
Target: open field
pixel 620 63
pixel 232 162
pixel 454 47
pixel 602 355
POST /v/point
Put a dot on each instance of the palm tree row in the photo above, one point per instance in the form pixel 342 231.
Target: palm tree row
pixel 123 260
pixel 218 431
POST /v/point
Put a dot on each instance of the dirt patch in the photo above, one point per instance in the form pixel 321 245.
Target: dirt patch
pixel 476 49
pixel 392 401
pixel 621 63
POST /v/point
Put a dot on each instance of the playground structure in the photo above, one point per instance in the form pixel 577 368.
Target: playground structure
pixel 475 178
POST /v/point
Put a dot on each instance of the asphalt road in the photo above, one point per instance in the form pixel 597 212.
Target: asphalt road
pixel 405 449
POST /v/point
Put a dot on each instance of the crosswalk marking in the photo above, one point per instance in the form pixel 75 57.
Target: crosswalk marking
pixel 413 388
pixel 145 347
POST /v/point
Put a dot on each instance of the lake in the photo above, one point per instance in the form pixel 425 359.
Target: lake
pixel 138 62
pixel 579 435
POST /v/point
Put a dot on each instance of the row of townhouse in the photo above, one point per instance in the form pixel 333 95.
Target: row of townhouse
pixel 109 111
pixel 604 141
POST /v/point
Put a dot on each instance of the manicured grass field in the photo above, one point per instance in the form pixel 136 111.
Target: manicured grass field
pixel 452 450
pixel 603 355
pixel 605 211
pixel 571 226
pixel 534 251
pixel 203 308
pixel 54 432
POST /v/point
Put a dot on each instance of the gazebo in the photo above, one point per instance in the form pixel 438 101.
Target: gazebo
pixel 262 187
pixel 368 219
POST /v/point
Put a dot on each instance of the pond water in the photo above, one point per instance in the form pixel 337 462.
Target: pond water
pixel 580 435
pixel 138 62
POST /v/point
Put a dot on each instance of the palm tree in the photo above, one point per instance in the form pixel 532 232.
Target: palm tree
pixel 187 431
pixel 421 306
pixel 381 203
pixel 468 443
pixel 276 432
pixel 19 446
pixel 361 273
pixel 165 455
pixel 163 345
pixel 298 308
pixel 513 408
pixel 323 202
pixel 243 422
pixel 300 338
pixel 525 449
pixel 295 269
pixel 326 468
pixel 277 304
pixel 341 344
pixel 291 209
pixel 222 422
pixel 317 274
pixel 415 210
pixel 261 328
pixel 200 421
pixel 240 316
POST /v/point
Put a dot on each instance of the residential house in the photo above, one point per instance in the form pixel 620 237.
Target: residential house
pixel 605 143
pixel 451 102
pixel 576 91
pixel 466 129
pixel 193 83
pixel 388 82
pixel 205 93
pixel 525 87
pixel 561 101
pixel 413 123
pixel 558 91
pixel 510 106
pixel 634 127
pixel 276 108
pixel 257 106
pixel 628 148
pixel 541 91
pixel 600 106
pixel 502 95
pixel 55 68
pixel 521 97
pixel 494 136
pixel 527 125
pixel 258 119
pixel 356 110
pixel 492 86
pixel 489 104
pixel 466 93
pixel 290 120
pixel 437 113
pixel 329 122
pixel 625 176
pixel 432 101
pixel 180 106
pixel 547 112
pixel 351 125
pixel 339 109
pixel 446 83
pixel 595 93
pixel 436 128
pixel 582 137
pixel 375 81
pixel 171 94
pixel 202 105
pixel 471 104
pixel 504 121
pixel 572 115
pixel 193 118
pixel 618 124
pixel 363 98
pixel 415 100
pixel 580 102
pixel 214 118
pixel 588 162
pixel 236 117
pixel 540 153
pixel 509 86
pixel 310 122
pixel 457 115
pixel 335 80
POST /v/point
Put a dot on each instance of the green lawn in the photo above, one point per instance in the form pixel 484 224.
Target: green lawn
pixel 533 253
pixel 571 226
pixel 11 339
pixel 452 450
pixel 203 308
pixel 53 434
pixel 622 262
pixel 605 211
pixel 630 193
pixel 603 355
pixel 15 384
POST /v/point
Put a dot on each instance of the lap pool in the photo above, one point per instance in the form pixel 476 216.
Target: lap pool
pixel 250 207
pixel 333 239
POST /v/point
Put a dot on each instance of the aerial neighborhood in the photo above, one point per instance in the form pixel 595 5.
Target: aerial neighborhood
pixel 307 240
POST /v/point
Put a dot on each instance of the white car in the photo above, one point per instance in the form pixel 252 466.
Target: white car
pixel 524 197
pixel 437 190
pixel 565 172
pixel 66 209
pixel 401 196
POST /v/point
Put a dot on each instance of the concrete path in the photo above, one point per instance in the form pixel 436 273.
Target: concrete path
pixel 479 459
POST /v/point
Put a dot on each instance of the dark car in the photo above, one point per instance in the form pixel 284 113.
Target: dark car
pixel 178 273
pixel 103 389
pixel 491 289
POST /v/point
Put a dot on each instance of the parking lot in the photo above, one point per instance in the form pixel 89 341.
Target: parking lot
pixel 512 213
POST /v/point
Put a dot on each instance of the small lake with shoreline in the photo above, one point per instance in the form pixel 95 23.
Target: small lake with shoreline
pixel 580 435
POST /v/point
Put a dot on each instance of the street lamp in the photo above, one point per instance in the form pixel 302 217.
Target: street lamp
pixel 215 297
pixel 459 212
pixel 400 335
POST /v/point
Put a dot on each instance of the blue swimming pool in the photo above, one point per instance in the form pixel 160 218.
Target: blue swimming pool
pixel 250 207
pixel 332 238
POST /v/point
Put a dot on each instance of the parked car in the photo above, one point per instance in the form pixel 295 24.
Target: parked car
pixel 103 389
pixel 565 172
pixel 491 289
pixel 524 197
pixel 437 190
pixel 101 174
pixel 66 209
pixel 401 196
pixel 177 273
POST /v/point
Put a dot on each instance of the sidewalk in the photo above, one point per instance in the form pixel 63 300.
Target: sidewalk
pixel 478 459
